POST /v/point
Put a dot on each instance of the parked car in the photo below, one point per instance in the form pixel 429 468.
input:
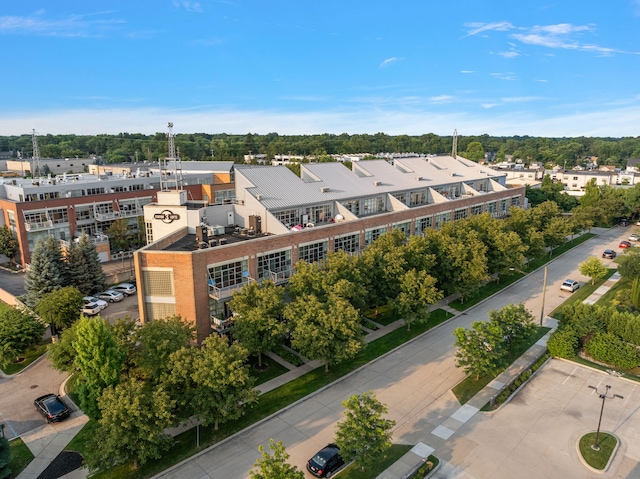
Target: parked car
pixel 125 288
pixel 111 295
pixel 624 222
pixel 609 253
pixel 569 285
pixel 52 408
pixel 91 309
pixel 326 461
pixel 625 244
pixel 92 299
pixel 634 237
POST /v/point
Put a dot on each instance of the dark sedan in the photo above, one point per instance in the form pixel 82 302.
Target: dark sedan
pixel 52 408
pixel 326 461
pixel 609 254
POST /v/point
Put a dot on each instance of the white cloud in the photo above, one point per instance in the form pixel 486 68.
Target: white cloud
pixel 388 62
pixel 188 6
pixel 519 99
pixel 479 27
pixel 85 25
pixel 441 99
pixel 489 105
pixel 509 55
pixel 466 71
pixel 505 76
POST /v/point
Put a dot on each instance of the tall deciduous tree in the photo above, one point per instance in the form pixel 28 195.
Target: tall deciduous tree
pixel 417 292
pixel 594 268
pixel 275 465
pixel 18 331
pixel 99 360
pixel 47 271
pixel 61 307
pixel 516 321
pixel 211 382
pixel 134 416
pixel 481 349
pixel 8 243
pixel 258 326
pixel 327 331
pixel 156 341
pixel 629 264
pixel 364 433
pixel 62 353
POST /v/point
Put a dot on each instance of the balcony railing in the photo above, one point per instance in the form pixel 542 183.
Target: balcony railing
pixel 44 225
pixel 220 325
pixel 111 215
pixel 279 277
pixel 218 293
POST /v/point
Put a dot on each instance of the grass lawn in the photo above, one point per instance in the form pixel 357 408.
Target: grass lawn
pixel 353 471
pixel 384 315
pixel 597 459
pixel 21 456
pixel 269 403
pixel 581 294
pixel 272 370
pixel 470 386
pixel 608 297
pixel 30 355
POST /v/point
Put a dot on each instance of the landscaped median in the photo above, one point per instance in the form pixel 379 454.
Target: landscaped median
pixel 269 403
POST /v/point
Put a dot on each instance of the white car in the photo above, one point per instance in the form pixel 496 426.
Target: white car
pixel 92 299
pixel 91 309
pixel 125 288
pixel 569 285
pixel 111 296
pixel 634 237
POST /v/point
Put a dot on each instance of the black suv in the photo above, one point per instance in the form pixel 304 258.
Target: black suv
pixel 326 461
pixel 52 408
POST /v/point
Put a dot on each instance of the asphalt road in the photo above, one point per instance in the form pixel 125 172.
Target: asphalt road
pixel 414 382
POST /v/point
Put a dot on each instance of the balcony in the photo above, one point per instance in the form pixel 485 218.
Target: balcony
pixel 111 215
pixel 278 277
pixel 221 325
pixel 219 293
pixel 44 225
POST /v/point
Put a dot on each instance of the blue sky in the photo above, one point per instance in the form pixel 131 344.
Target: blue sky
pixel 556 68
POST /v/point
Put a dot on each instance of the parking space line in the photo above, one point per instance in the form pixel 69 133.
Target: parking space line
pixel 570 375
pixel 4 421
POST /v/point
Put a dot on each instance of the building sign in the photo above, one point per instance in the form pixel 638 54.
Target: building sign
pixel 166 216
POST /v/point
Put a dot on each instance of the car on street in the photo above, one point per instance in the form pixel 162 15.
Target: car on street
pixel 569 285
pixel 625 244
pixel 52 408
pixel 326 461
pixel 609 254
pixel 91 309
pixel 92 299
pixel 111 296
pixel 624 222
pixel 634 237
pixel 125 288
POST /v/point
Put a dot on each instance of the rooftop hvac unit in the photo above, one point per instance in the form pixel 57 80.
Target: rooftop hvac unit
pixel 202 235
pixel 324 189
pixel 255 224
pixel 377 183
pixel 259 197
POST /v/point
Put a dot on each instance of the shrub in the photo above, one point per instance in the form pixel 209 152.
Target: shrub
pixel 610 349
pixel 563 343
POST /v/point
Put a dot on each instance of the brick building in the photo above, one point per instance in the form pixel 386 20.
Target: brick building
pixel 197 255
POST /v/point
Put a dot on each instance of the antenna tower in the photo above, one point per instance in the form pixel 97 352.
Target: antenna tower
pixel 454 148
pixel 177 164
pixel 35 157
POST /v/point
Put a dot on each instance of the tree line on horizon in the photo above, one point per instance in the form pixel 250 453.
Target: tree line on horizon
pixel 137 147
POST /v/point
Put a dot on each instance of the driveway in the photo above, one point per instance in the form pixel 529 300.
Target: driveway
pixel 17 394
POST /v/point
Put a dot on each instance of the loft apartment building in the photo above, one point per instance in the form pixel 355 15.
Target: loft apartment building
pixel 197 256
pixel 64 206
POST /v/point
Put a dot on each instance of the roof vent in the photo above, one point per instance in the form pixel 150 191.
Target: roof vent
pixel 324 189
pixel 259 197
pixel 377 183
pixel 418 178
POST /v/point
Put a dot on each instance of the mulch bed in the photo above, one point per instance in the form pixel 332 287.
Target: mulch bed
pixel 66 462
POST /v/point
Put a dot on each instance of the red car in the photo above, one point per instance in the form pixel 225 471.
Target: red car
pixel 625 244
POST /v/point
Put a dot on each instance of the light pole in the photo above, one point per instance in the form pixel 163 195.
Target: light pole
pixel 544 287
pixel 604 397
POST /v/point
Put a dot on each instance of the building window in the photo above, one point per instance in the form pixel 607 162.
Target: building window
pixel 348 244
pixel 423 223
pixel 229 274
pixel 504 205
pixel 460 214
pixel 401 197
pixel 353 206
pixel 59 215
pixel 288 217
pixel 278 262
pixel 372 205
pixel 575 178
pixel 314 252
pixel 83 213
pixel 442 218
pixel 418 198
pixel 319 214
pixel 371 235
pixel 476 210
pixel 404 227
pixel 149 229
pixel 158 282
pixel 515 201
pixel 95 191
pixel 36 217
pixel 491 207
pixel 225 197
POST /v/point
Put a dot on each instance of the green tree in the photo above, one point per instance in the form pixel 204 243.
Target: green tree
pixel 275 465
pixel 61 307
pixel 556 231
pixel 481 349
pixel 8 243
pixel 92 264
pixel 364 433
pixel 5 458
pixel 18 331
pixel 517 322
pixel 475 151
pixel 155 341
pixel 417 292
pixel 329 332
pixel 629 264
pixel 563 343
pixel 594 268
pixel 47 271
pixel 211 382
pixel 258 326
pixel 119 235
pixel 62 353
pixel 99 359
pixel 134 416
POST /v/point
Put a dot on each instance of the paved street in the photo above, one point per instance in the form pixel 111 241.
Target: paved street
pixel 415 381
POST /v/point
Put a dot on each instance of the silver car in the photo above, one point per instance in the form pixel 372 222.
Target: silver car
pixel 111 296
pixel 125 288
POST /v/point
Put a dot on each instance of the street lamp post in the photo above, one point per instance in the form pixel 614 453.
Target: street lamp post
pixel 544 288
pixel 604 397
